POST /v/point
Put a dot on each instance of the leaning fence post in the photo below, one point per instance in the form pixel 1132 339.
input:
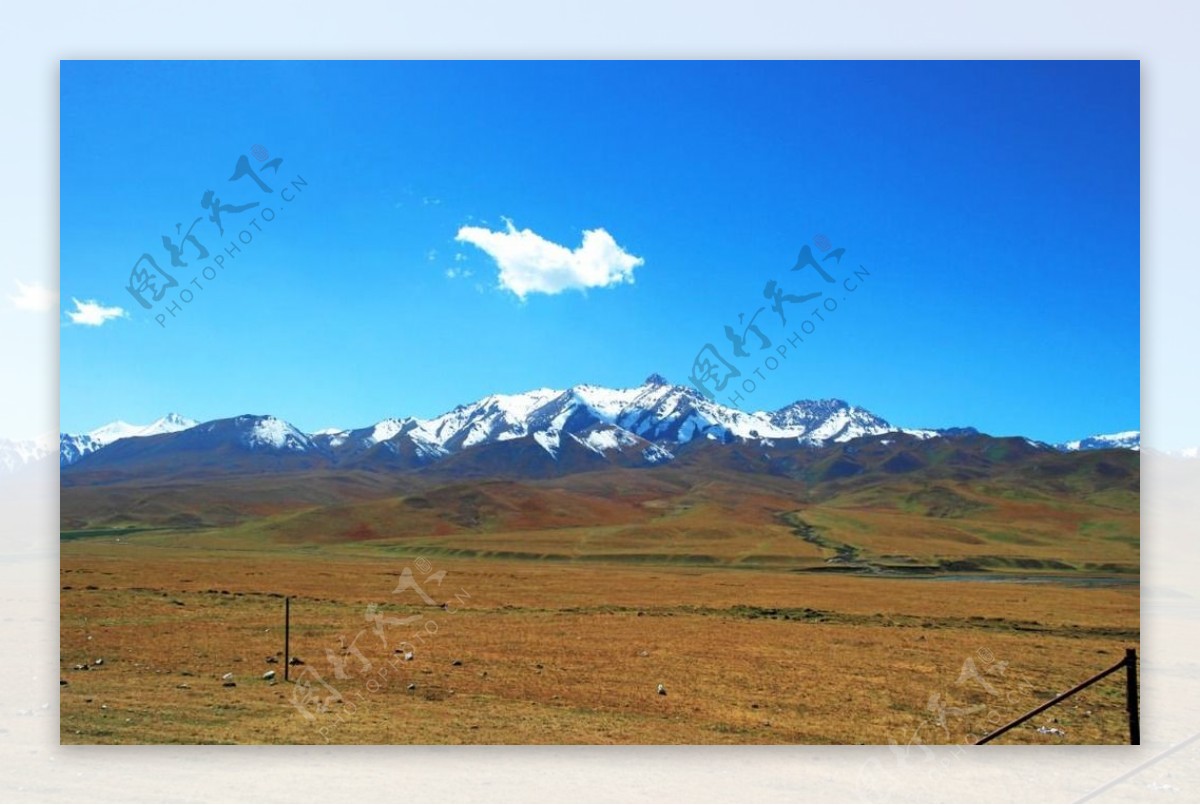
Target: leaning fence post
pixel 1131 696
pixel 287 624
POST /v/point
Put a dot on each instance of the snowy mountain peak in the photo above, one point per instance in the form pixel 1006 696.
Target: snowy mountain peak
pixel 16 453
pixel 648 421
pixel 1128 440
pixel 107 434
pixel 170 423
pixel 72 447
pixel 271 432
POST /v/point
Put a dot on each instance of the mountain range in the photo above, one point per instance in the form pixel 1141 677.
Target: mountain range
pixel 538 433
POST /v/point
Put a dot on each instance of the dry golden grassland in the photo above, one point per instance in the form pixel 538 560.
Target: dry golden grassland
pixel 568 651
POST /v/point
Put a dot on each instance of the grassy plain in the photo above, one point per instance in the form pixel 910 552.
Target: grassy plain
pixel 564 651
pixel 777 599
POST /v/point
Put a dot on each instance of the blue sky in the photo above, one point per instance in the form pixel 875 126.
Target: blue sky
pixel 434 254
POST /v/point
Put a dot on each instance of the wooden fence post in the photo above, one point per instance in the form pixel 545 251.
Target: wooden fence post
pixel 1131 697
pixel 287 625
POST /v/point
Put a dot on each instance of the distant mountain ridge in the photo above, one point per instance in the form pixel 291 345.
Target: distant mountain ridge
pixel 16 453
pixel 542 430
pixel 72 447
pixel 1128 440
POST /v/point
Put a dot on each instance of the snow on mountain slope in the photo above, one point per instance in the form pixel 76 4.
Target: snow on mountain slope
pixel 398 437
pixel 15 453
pixel 107 434
pixel 74 446
pixel 1128 440
pixel 497 417
pixel 650 417
pixel 171 423
pixel 549 440
pixel 640 425
pixel 603 440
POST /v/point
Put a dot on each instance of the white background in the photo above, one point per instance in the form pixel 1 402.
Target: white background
pixel 1161 34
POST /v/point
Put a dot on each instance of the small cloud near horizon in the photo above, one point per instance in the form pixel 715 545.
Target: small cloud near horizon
pixel 35 297
pixel 529 263
pixel 91 313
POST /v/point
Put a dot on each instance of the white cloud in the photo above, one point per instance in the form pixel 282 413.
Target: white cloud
pixel 35 297
pixel 531 264
pixel 456 273
pixel 93 314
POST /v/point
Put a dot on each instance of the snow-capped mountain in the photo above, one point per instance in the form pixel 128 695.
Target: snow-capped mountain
pixel 1128 440
pixel 544 430
pixel 17 453
pixel 260 432
pixel 74 446
pixel 655 411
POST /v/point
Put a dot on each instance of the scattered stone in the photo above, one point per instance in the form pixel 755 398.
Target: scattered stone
pixel 1050 731
pixel 643 653
pixel 184 686
pixel 661 690
pixel 269 675
pixel 229 684
pixel 483 673
pixel 99 661
pixel 227 676
pixel 412 686
pixel 79 667
pixel 408 656
pixel 62 682
pixel 272 660
pixel 457 662
pixel 295 661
